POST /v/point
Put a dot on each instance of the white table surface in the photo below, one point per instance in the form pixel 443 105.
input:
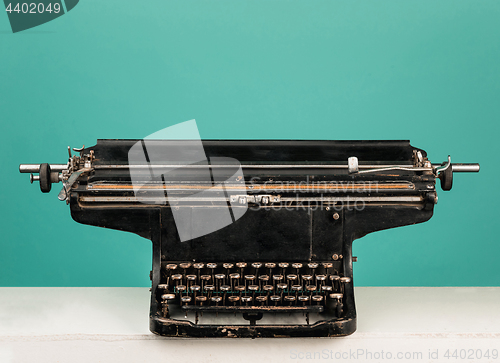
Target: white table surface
pixel 111 325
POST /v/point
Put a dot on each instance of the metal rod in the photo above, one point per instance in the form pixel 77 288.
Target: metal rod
pixel 465 168
pixel 35 168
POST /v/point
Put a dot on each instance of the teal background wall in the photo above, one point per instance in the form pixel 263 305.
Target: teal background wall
pixel 422 70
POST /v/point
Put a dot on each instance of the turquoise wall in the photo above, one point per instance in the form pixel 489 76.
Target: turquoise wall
pixel 422 70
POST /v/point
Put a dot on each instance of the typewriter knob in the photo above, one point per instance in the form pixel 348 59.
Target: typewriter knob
pixel 45 183
pixel 167 297
pixel 445 176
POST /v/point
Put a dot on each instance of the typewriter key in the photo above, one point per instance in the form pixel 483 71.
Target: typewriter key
pixel 185 265
pixel 198 265
pixel 262 299
pixel 253 287
pixel 297 266
pixel 216 300
pixel 171 266
pixel 185 299
pixel 321 279
pixel 336 296
pixel 195 288
pixel 275 298
pixel 233 299
pixel 205 277
pixel 270 266
pixel 282 286
pixel 181 288
pixel 311 288
pixel 201 299
pixel 317 299
pixel 163 286
pixel 326 288
pixel 234 276
pixel 241 266
pixel 240 288
pixel 191 277
pixel 268 288
pixel 290 299
pixel 246 299
pixel 209 288
pixel 256 266
pixel 303 299
pixel 284 266
pixel 168 297
pixel 312 267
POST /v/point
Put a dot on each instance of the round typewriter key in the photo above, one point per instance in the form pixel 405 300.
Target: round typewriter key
pixel 198 265
pixel 264 277
pixel 233 299
pixel 168 297
pixel 262 299
pixel 275 298
pixel 239 288
pixel 180 288
pixel 195 288
pixel 201 299
pixel 256 266
pixel 185 265
pixel 277 277
pixel 163 286
pixel 282 286
pixel 312 265
pixel 234 276
pixel 292 277
pixel 205 277
pixel 345 280
pixel 209 288
pixel 296 287
pixel 177 277
pixel 321 277
pixel 246 299
pixel 310 287
pixel 283 264
pixel 171 266
pixel 303 299
pixel 216 299
pixel 317 298
pixel 297 266
pixel 219 276
pixel 250 277
pixel 211 265
pixel 307 277
pixel 227 265
pixel 268 288
pixel 191 277
pixel 225 288
pixel 241 264
pixel 336 296
pixel 185 299
pixel 334 277
pixel 270 266
pixel 289 298
pixel 253 287
pixel 327 264
pixel 326 288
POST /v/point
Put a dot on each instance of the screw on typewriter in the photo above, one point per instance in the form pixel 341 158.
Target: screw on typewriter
pixel 283 265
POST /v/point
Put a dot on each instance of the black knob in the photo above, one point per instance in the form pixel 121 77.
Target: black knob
pixel 45 183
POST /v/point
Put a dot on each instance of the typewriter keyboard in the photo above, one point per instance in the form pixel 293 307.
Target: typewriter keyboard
pixel 249 287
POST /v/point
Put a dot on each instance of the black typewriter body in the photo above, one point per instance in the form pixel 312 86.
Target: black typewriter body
pixel 285 267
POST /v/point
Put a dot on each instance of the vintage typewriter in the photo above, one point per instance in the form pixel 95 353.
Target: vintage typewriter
pixel 262 247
